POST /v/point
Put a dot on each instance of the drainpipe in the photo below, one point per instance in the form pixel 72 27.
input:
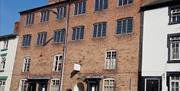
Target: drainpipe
pixel 65 43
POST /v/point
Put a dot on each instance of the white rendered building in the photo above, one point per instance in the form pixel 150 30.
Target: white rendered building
pixel 8 45
pixel 160 67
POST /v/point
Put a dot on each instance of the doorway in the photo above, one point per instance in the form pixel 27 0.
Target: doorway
pixel 152 84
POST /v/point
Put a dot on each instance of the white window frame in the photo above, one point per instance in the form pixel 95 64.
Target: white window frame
pixel 45 16
pixel 5 45
pixel 82 8
pixel 57 63
pixel 110 63
pixel 23 85
pixel 110 86
pixel 2 63
pixel 60 14
pixel 174 80
pixel 2 85
pixel 100 24
pixel 123 2
pixel 30 19
pixel 55 86
pixel 26 64
pixel 177 49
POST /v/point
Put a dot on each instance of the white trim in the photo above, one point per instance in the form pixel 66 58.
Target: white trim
pixel 52 83
pixel 110 84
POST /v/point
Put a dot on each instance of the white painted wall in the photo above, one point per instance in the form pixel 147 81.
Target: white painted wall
pixel 155 51
pixel 10 58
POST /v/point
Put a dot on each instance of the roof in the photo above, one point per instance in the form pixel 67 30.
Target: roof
pixel 42 7
pixel 9 36
pixel 158 4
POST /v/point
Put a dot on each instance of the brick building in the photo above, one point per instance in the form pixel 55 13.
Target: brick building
pixel 78 45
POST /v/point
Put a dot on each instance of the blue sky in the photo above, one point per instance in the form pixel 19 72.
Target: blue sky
pixel 9 12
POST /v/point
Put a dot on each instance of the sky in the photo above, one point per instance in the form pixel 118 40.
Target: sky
pixel 9 12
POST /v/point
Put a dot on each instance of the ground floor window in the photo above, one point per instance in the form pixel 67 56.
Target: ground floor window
pixel 55 85
pixel 93 84
pixel 33 85
pixel 23 85
pixel 109 84
pixel 174 83
pixel 152 84
pixel 2 85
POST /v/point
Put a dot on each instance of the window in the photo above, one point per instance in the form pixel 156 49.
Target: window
pixel 26 40
pixel 26 64
pixel 109 84
pixel 57 63
pixel 99 29
pixel 55 85
pixel 2 85
pixel 153 84
pixel 174 83
pixel 23 85
pixel 124 2
pixel 44 16
pixel 30 19
pixel 5 45
pixel 2 63
pixel 174 47
pixel 124 26
pixel 59 36
pixel 61 12
pixel 80 7
pixel 41 38
pixel 78 33
pixel 110 61
pixel 175 15
pixel 101 4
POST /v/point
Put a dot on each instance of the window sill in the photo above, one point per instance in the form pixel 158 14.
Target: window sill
pixel 44 22
pixel 25 46
pixel 173 23
pixel 98 38
pixel 99 11
pixel 78 40
pixel 57 43
pixel 29 25
pixel 5 49
pixel 110 70
pixel 173 61
pixel 124 35
pixel 83 14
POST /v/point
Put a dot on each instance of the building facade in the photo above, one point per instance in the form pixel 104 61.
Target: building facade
pixel 160 49
pixel 8 46
pixel 82 45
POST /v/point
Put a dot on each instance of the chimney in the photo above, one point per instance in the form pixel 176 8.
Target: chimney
pixel 16 27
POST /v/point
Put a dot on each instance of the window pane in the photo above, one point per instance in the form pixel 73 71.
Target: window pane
pixel 95 31
pixel 104 29
pixel 96 5
pixel 105 4
pixel 130 26
pixel 124 26
pixel 119 27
